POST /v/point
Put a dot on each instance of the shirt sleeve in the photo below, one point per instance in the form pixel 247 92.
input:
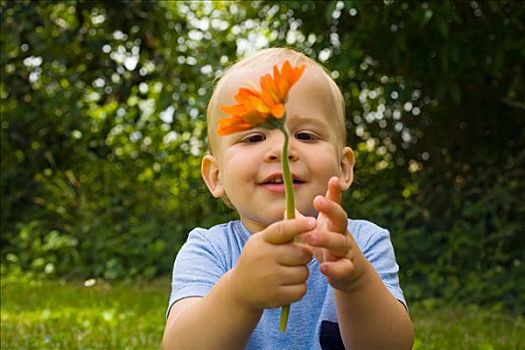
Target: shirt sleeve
pixel 379 251
pixel 197 268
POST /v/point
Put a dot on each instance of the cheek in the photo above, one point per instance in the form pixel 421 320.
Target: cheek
pixel 324 161
pixel 238 170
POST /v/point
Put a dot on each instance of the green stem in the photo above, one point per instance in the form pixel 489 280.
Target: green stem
pixel 290 208
pixel 287 177
pixel 285 311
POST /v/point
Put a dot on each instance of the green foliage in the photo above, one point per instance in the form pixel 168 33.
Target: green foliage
pixel 435 111
pixel 102 133
pixel 103 127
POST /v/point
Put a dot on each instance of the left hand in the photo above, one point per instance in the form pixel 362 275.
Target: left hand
pixel 339 256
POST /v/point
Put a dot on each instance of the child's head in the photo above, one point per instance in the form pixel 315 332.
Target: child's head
pixel 247 72
pixel 243 166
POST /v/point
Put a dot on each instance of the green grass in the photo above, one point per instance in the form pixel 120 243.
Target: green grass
pixel 466 328
pixel 54 315
pixel 51 315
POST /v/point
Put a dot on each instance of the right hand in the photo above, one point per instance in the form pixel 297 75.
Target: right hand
pixel 271 270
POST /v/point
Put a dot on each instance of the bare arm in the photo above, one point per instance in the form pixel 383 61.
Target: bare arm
pixel 270 272
pixel 216 321
pixel 369 316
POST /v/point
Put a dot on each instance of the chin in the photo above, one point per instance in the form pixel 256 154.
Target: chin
pixel 309 211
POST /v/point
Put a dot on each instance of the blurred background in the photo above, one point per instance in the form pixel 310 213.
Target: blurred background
pixel 103 127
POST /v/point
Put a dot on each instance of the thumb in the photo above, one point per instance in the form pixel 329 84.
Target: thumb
pixel 282 232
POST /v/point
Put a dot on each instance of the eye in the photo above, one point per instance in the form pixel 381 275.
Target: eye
pixel 253 138
pixel 306 136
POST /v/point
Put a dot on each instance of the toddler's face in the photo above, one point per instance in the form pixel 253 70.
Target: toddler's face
pixel 246 167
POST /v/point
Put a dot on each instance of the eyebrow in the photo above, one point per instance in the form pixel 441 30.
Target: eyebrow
pixel 301 119
pixel 327 126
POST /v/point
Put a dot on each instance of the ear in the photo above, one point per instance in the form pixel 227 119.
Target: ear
pixel 211 175
pixel 347 168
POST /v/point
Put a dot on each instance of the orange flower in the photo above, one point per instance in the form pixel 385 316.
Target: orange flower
pixel 266 108
pixel 254 107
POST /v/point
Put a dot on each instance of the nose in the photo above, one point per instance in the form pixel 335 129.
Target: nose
pixel 274 151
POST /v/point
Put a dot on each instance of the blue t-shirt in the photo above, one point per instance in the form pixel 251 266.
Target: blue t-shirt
pixel 312 322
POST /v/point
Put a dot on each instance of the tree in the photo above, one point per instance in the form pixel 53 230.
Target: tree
pixel 103 126
pixel 435 92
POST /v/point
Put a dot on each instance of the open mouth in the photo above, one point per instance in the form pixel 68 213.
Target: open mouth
pixel 279 180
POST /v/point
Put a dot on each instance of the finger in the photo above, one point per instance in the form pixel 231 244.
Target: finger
pixel 294 255
pixel 338 270
pixel 338 244
pixel 333 212
pixel 292 293
pixel 290 276
pixel 284 295
pixel 334 192
pixel 284 231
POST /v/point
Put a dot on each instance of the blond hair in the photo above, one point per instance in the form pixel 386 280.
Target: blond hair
pixel 272 56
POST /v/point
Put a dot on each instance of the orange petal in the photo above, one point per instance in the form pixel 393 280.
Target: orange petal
pixel 276 75
pixel 285 70
pixel 296 74
pixel 244 94
pixel 253 103
pixel 267 98
pixel 270 96
pixel 278 111
pixel 233 110
pixel 255 107
pixel 255 118
pixel 267 83
pixel 231 125
pixel 282 89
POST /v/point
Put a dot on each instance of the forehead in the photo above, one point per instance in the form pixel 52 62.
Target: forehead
pixel 313 81
pixel 314 95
